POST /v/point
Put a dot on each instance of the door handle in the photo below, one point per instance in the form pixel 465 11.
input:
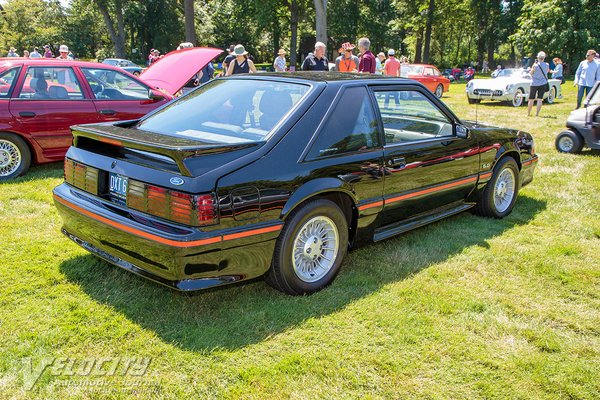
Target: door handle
pixel 399 162
pixel 27 114
pixel 108 112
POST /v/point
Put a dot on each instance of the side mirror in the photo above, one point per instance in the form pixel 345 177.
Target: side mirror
pixel 154 96
pixel 462 132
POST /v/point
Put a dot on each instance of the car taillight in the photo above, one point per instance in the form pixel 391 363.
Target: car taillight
pixel 81 176
pixel 188 209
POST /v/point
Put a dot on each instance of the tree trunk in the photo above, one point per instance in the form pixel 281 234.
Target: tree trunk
pixel 117 35
pixel 321 20
pixel 293 7
pixel 418 47
pixel 428 26
pixel 190 28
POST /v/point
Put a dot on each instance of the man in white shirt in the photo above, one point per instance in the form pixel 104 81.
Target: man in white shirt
pixel 588 73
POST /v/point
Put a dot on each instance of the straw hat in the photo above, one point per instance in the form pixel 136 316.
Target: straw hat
pixel 348 46
pixel 281 52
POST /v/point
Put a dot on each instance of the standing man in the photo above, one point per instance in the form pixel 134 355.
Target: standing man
pixel 316 61
pixel 392 65
pixel 228 59
pixel 64 53
pixel 587 74
pixel 347 62
pixel 539 83
pixel 279 63
pixel 35 53
pixel 12 52
pixel 367 59
pixel 48 52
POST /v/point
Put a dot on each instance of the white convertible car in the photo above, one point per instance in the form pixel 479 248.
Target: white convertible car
pixel 511 85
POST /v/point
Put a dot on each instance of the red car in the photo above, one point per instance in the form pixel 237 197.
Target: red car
pixel 41 98
pixel 428 75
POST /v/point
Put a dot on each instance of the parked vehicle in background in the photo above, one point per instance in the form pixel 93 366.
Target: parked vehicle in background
pixel 428 75
pixel 127 65
pixel 510 85
pixel 41 98
pixel 278 175
pixel 448 74
pixel 583 126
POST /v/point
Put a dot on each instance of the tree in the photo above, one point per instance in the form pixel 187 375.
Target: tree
pixel 116 25
pixel 428 27
pixel 321 20
pixel 190 28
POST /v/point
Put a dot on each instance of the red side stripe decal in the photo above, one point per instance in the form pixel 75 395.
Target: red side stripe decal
pixel 156 238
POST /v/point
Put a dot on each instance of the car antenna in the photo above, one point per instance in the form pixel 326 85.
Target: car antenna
pixel 476 115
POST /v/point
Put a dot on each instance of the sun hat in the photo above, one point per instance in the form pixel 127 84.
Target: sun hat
pixel 391 52
pixel 281 52
pixel 63 49
pixel 381 54
pixel 46 46
pixel 348 46
pixel 239 50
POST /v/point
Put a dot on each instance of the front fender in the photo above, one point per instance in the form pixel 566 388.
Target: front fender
pixel 313 188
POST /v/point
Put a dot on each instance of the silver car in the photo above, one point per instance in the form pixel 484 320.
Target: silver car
pixel 583 126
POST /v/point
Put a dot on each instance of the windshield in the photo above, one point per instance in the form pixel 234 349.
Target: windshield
pixel 511 72
pixel 406 70
pixel 227 111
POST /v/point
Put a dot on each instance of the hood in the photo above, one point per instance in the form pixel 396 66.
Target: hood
pixel 496 83
pixel 178 67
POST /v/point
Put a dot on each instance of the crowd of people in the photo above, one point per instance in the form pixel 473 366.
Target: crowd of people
pixel 63 53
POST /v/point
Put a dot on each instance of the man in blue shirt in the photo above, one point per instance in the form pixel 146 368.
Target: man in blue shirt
pixel 587 74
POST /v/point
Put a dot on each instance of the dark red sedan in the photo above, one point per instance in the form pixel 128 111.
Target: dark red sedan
pixel 41 98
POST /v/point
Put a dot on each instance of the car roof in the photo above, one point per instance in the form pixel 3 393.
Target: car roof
pixel 323 77
pixel 423 65
pixel 9 62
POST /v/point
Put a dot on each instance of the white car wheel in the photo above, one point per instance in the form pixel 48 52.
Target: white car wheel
pixel 551 95
pixel 518 98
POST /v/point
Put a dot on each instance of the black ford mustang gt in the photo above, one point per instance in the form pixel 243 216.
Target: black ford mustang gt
pixel 280 175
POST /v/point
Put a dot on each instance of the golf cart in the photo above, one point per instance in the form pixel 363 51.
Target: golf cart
pixel 583 126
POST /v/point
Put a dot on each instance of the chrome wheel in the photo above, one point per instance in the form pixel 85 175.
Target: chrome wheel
pixel 504 190
pixel 518 98
pixel 439 91
pixel 565 144
pixel 551 95
pixel 315 249
pixel 10 157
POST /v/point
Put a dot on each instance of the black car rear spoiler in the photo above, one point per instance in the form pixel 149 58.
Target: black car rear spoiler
pixel 176 149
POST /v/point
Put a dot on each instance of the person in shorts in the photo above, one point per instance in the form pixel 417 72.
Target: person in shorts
pixel 539 83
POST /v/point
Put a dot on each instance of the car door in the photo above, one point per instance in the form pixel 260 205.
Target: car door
pixel 118 96
pixel 49 100
pixel 428 166
pixel 431 81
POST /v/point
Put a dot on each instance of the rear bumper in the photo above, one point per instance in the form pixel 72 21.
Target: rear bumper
pixel 179 257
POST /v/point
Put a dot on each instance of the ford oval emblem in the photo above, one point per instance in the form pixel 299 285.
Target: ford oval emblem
pixel 176 181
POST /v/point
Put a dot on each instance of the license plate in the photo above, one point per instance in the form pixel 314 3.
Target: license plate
pixel 117 185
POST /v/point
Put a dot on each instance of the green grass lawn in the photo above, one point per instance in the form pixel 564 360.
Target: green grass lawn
pixel 464 308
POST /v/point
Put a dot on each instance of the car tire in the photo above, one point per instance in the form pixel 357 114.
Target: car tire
pixel 517 100
pixel 136 73
pixel 15 156
pixel 568 142
pixel 474 101
pixel 439 91
pixel 500 193
pixel 551 95
pixel 306 266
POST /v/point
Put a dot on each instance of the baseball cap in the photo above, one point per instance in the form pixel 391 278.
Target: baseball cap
pixel 391 52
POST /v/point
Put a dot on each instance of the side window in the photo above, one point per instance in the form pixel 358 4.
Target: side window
pixel 436 72
pixel 108 84
pixel 428 71
pixel 7 82
pixel 408 116
pixel 51 83
pixel 351 126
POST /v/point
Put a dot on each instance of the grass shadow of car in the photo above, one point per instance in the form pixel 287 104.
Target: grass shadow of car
pixel 239 315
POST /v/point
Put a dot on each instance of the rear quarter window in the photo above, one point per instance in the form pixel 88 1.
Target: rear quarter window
pixel 7 81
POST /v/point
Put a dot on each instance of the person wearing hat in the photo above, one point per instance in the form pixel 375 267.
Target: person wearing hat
pixel 279 63
pixel 346 62
pixel 48 52
pixel 64 53
pixel 316 61
pixel 241 64
pixel 12 52
pixel 229 58
pixel 379 62
pixel 392 65
pixel 155 56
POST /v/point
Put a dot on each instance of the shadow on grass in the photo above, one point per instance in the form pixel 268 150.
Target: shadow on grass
pixel 235 316
pixel 39 172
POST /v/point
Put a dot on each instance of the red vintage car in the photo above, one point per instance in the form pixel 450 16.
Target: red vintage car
pixel 41 98
pixel 428 75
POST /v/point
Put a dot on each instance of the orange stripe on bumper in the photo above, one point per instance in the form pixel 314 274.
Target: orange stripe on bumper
pixel 159 239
